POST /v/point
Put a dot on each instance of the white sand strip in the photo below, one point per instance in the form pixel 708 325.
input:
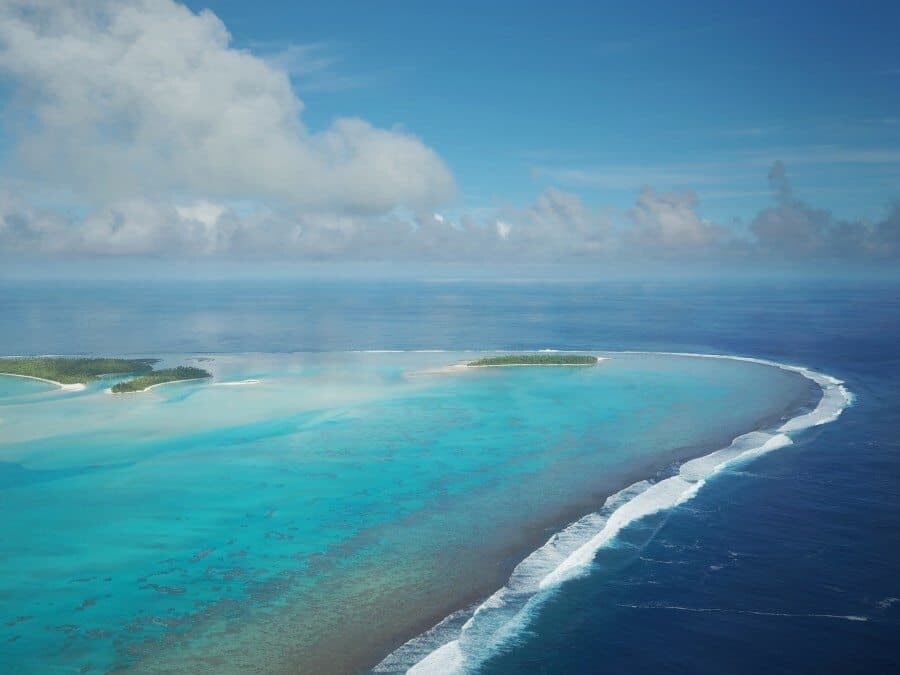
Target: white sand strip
pixel 458 368
pixel 235 383
pixel 77 386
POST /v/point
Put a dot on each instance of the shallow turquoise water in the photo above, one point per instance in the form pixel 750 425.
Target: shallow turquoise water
pixel 348 499
pixel 20 387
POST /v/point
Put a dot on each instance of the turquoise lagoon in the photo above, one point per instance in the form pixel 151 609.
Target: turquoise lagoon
pixel 320 518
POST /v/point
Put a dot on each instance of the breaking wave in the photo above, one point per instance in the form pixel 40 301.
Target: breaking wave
pixel 465 639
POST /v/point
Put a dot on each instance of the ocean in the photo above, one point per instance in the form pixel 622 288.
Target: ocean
pixel 324 518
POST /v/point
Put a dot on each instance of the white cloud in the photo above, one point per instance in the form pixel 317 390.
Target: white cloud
pixel 795 229
pixel 28 230
pixel 202 211
pixel 559 224
pixel 558 227
pixel 671 220
pixel 119 99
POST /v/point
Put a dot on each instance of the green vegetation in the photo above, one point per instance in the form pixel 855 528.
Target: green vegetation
pixel 72 371
pixel 159 377
pixel 79 371
pixel 548 359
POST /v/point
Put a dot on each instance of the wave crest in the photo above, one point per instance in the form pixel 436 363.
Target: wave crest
pixel 465 639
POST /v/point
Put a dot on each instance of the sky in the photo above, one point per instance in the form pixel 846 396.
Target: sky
pixel 299 136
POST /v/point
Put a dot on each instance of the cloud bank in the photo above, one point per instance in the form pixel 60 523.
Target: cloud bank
pixel 177 144
pixel 558 227
pixel 122 98
pixel 793 228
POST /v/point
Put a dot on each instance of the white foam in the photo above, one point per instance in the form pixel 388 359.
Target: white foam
pixel 77 386
pixel 448 658
pixel 451 648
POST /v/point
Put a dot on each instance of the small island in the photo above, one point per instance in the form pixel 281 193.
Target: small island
pixel 74 373
pixel 71 371
pixel 548 359
pixel 157 377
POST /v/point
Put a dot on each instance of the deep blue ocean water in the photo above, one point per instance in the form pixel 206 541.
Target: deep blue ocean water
pixel 788 563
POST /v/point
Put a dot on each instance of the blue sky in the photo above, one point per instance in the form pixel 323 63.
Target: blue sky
pixel 602 98
pixel 456 132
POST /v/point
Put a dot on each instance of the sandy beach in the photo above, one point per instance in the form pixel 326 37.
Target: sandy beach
pixel 77 386
pixel 457 368
pixel 109 390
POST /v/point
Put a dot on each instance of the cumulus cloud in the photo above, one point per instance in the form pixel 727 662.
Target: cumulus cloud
pixel 790 224
pixel 671 221
pixel 558 227
pixel 136 227
pixel 793 228
pixel 118 99
pixel 146 111
pixel 559 224
pixel 27 230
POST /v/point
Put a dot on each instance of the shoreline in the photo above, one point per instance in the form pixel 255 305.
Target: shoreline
pixel 109 390
pixel 441 651
pixel 462 367
pixel 447 607
pixel 533 536
pixel 75 386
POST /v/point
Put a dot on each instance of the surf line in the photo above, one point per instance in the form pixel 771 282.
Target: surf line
pixel 451 648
